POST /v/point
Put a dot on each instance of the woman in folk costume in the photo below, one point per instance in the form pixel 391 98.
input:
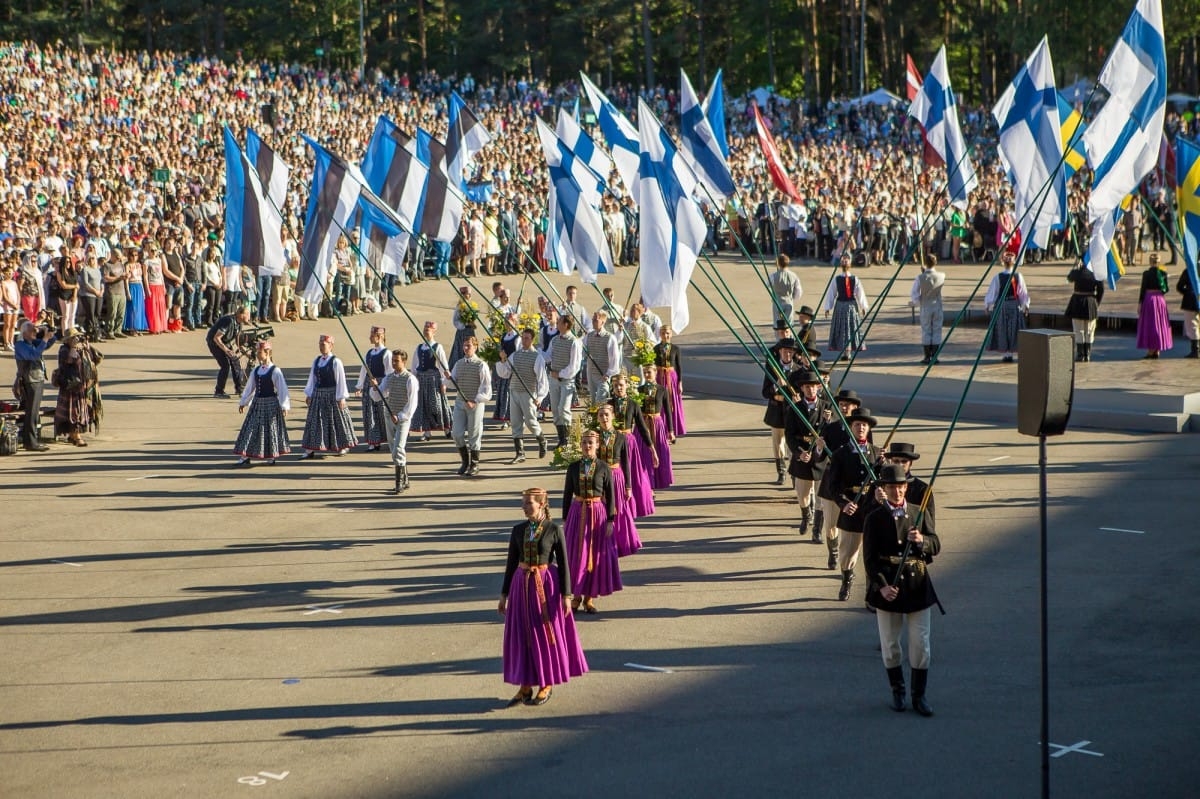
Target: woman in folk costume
pixel 643 457
pixel 541 645
pixel 591 516
pixel 465 318
pixel 615 452
pixel 1154 321
pixel 1008 291
pixel 431 369
pixel 509 341
pixel 264 432
pixel 666 358
pixel 328 427
pixel 848 302
pixel 656 408
pixel 1083 309
pixel 377 364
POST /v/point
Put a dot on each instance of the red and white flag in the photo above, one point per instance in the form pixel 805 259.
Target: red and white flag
pixel 912 78
pixel 1166 164
pixel 779 175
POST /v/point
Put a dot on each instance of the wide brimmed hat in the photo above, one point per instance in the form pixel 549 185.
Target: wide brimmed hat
pixel 893 474
pixel 848 395
pixel 804 377
pixel 861 414
pixel 902 450
pixel 786 344
pixel 806 310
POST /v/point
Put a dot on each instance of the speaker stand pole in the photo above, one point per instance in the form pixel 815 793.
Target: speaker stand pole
pixel 1044 622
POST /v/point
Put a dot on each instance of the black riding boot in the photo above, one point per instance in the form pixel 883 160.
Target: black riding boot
pixel 396 489
pixel 473 465
pixel 919 678
pixel 1079 353
pixel 541 446
pixel 896 678
pixel 564 433
pixel 779 471
pixel 847 581
pixel 928 355
pixel 519 448
pixel 464 453
pixel 1195 353
pixel 818 533
pixel 805 519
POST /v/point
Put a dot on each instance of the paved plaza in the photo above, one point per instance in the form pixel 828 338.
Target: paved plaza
pixel 173 626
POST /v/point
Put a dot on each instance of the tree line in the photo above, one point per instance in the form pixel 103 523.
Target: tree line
pixel 812 49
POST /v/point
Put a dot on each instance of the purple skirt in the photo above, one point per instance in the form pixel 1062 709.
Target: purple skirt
pixel 541 646
pixel 625 532
pixel 591 552
pixel 1154 324
pixel 675 397
pixel 640 465
pixel 664 475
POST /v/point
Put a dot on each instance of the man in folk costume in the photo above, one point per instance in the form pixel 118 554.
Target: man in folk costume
pixel 529 383
pixel 398 394
pixel 1083 309
pixel 602 351
pixel 377 364
pixel 786 288
pixel 573 308
pixel 774 384
pixel 805 444
pixel 474 380
pixel 926 295
pixel 835 435
pixel 850 478
pixel 898 543
pixel 566 356
pixel 1191 314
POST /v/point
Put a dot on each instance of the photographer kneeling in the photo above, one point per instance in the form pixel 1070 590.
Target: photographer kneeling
pixel 223 343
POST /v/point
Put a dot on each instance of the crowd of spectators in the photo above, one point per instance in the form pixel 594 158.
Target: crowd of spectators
pixel 112 172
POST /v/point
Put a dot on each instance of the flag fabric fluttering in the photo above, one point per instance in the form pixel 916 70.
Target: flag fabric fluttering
pixel 337 190
pixel 912 78
pixel 1167 165
pixel 587 155
pixel 670 224
pixel 393 172
pixel 1071 130
pixel 1187 194
pixel 253 228
pixel 937 111
pixel 576 237
pixel 779 175
pixel 699 145
pixel 1031 144
pixel 441 209
pixel 272 171
pixel 1122 140
pixel 619 134
pixel 465 136
pixel 714 108
pixel 1114 265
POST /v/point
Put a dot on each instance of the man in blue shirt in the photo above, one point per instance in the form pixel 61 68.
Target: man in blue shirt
pixel 31 374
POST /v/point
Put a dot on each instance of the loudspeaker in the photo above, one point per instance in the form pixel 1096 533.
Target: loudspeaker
pixel 1045 381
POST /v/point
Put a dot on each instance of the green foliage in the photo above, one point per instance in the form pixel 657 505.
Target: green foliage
pixel 804 47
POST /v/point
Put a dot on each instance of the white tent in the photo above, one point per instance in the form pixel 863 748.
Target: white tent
pixel 1181 99
pixel 878 97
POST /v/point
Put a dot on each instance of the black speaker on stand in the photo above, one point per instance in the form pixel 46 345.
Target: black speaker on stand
pixel 1045 390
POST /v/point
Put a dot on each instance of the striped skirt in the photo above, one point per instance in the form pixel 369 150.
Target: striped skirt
pixel 845 329
pixel 541 644
pixel 374 423
pixel 1009 323
pixel 675 397
pixel 264 432
pixel 625 532
pixel 500 395
pixel 433 411
pixel 328 427
pixel 591 552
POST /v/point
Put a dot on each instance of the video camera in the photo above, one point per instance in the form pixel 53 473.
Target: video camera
pixel 249 337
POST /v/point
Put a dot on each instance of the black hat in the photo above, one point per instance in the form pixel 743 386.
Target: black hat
pixel 822 367
pixel 848 395
pixel 806 310
pixel 786 344
pixel 899 450
pixel 893 474
pixel 781 324
pixel 812 353
pixel 861 414
pixel 804 377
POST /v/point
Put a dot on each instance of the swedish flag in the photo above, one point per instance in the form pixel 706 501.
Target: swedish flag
pixel 1187 195
pixel 1071 128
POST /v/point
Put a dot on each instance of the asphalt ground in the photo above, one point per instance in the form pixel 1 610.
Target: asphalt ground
pixel 174 626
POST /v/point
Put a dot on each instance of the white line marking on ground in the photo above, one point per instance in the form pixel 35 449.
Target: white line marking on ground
pixel 648 668
pixel 1123 530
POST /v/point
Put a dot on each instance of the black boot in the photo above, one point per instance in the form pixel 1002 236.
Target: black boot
pixel 896 678
pixel 844 591
pixel 519 448
pixel 1079 353
pixel 818 535
pixel 464 453
pixel 805 519
pixel 541 446
pixel 919 678
pixel 396 487
pixel 779 471
pixel 473 465
pixel 833 556
pixel 928 356
pixel 403 477
pixel 933 349
pixel 1195 353
pixel 1087 353
pixel 563 434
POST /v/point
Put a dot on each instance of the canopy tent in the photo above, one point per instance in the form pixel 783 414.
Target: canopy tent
pixel 880 96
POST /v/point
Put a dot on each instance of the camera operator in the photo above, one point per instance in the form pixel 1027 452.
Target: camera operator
pixel 223 344
pixel 31 377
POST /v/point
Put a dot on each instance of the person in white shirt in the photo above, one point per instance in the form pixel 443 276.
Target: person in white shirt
pixel 328 427
pixel 398 392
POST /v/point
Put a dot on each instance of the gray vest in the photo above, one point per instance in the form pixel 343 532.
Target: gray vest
pixel 468 377
pixel 397 393
pixel 560 351
pixel 930 287
pixel 597 350
pixel 523 362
